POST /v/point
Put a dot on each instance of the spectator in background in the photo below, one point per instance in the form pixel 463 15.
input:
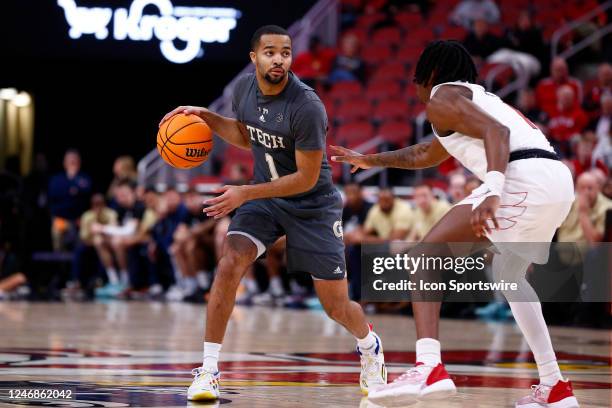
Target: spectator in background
pixel 567 121
pixel 192 247
pixel 593 101
pixel 85 261
pixel 528 107
pixel 348 65
pixel 525 36
pixel 471 184
pixel 584 160
pixel 481 43
pixel 124 168
pixel 353 218
pixel 118 240
pixel 586 220
pixel 69 194
pixel 315 64
pixel 546 91
pixel 467 11
pixel 603 132
pixel 456 187
pixel 390 219
pixel 429 210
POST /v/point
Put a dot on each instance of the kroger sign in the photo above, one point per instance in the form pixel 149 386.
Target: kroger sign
pixel 192 25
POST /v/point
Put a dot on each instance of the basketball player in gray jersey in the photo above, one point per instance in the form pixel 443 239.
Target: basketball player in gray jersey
pixel 283 122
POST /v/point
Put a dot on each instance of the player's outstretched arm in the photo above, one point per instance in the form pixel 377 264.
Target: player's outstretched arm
pixel 229 129
pixel 419 156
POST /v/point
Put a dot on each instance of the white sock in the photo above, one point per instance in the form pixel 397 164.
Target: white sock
pixel 528 315
pixel 190 284
pixel 113 279
pixel 276 286
pixel 211 356
pixel 428 352
pixel 367 344
pixel 125 277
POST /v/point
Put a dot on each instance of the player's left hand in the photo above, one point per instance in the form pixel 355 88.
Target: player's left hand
pixel 232 198
pixel 484 212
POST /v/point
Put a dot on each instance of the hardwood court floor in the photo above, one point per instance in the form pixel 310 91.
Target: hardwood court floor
pixel 123 354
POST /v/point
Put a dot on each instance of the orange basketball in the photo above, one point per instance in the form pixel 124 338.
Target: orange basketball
pixel 184 141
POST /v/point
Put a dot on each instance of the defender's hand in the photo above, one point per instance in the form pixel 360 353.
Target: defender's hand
pixel 357 160
pixel 232 198
pixel 187 110
pixel 485 211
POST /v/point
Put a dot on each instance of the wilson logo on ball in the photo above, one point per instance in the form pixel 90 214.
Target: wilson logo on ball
pixel 196 152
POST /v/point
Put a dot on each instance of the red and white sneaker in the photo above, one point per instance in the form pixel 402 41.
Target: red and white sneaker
pixel 560 395
pixel 419 383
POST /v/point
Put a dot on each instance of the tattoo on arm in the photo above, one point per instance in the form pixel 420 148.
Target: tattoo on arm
pixel 412 157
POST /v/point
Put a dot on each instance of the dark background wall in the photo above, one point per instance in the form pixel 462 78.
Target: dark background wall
pixel 106 97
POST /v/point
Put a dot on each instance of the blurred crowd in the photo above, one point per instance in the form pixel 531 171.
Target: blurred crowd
pixel 63 238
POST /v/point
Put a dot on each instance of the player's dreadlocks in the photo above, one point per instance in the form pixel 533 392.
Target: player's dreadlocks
pixel 448 60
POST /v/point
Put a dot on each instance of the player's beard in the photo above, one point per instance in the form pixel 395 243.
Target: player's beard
pixel 274 81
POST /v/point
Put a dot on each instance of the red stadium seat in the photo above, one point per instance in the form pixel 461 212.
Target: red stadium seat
pixel 454 33
pixel 352 111
pixel 354 132
pixel 407 19
pixel 376 54
pixel 368 20
pixel 396 109
pixel 409 54
pixel 397 132
pixel 346 90
pixel 352 3
pixel 418 37
pixel 360 33
pixel 378 90
pixel 386 36
pixel 390 71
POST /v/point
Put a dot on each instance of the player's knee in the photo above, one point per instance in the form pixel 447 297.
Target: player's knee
pixel 337 312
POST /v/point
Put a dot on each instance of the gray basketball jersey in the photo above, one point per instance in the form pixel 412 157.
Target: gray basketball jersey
pixel 279 125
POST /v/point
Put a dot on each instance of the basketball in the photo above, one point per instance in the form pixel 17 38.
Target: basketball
pixel 184 141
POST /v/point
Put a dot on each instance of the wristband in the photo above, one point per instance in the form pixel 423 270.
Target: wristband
pixel 495 181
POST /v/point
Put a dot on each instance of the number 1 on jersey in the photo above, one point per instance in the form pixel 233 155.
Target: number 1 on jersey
pixel 272 166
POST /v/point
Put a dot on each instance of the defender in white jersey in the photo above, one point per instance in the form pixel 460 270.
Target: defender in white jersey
pixel 525 196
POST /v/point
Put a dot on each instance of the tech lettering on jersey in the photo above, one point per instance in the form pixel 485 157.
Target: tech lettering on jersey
pixel 265 139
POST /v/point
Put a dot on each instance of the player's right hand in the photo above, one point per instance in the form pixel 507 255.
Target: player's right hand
pixel 187 110
pixel 357 160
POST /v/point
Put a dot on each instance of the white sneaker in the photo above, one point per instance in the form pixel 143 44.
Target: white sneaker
pixel 560 395
pixel 175 294
pixel 373 369
pixel 419 383
pixel 205 385
pixel 268 299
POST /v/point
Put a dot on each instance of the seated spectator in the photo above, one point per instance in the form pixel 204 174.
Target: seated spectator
pixel 603 132
pixel 586 220
pixel 69 194
pixel 353 218
pixel 471 184
pixel 429 210
pixel 124 168
pixel 390 219
pixel 528 107
pixel 85 260
pixel 117 241
pixel 584 160
pixel 456 187
pixel 525 36
pixel 567 121
pixel 315 64
pixel 348 65
pixel 171 213
pixel 193 248
pixel 467 11
pixel 10 276
pixel 481 43
pixel 593 100
pixel 546 91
